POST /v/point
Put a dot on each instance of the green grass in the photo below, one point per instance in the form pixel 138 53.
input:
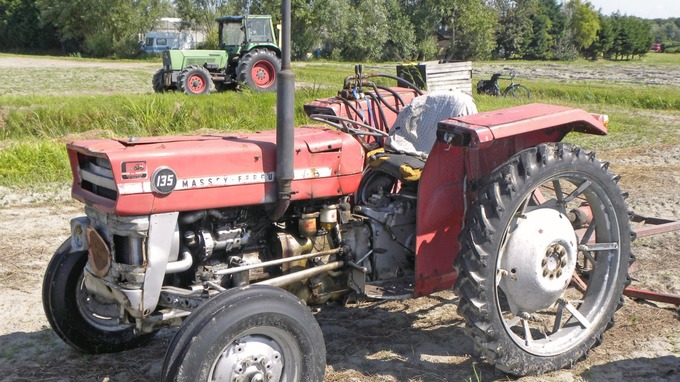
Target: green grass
pixel 34 124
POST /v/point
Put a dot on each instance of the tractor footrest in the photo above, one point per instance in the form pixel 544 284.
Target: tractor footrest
pixel 397 289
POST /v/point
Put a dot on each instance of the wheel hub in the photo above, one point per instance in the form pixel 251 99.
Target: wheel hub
pixel 538 261
pixel 250 359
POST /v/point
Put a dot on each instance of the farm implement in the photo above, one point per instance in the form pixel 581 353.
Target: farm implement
pixel 400 194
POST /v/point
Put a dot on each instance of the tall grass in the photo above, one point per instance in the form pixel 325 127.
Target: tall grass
pixel 34 127
pixel 33 162
pixel 142 114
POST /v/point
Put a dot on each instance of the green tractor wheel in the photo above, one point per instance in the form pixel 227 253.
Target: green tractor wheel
pixel 259 69
pixel 194 80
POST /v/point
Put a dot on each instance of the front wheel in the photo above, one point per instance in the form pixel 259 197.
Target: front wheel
pixel 194 80
pixel 87 322
pixel 544 259
pixel 517 91
pixel 158 81
pixel 254 333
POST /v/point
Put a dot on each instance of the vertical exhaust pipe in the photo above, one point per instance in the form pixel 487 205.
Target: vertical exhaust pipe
pixel 285 120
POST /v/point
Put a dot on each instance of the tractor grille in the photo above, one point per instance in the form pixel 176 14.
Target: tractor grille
pixel 96 176
pixel 200 61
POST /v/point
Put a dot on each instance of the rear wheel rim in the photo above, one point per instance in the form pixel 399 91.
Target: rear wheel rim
pixel 575 315
pixel 263 74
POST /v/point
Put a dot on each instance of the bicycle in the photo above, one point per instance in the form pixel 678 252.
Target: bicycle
pixel 492 87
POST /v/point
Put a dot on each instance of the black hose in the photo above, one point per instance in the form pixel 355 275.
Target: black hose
pixel 401 81
pixel 191 217
pixel 380 97
pixel 380 110
pixel 354 109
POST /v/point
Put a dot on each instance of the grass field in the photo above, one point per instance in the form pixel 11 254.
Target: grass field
pixel 45 106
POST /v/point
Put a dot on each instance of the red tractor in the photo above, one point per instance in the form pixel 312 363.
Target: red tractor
pixel 402 195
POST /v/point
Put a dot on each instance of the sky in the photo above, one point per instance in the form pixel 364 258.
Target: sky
pixel 646 9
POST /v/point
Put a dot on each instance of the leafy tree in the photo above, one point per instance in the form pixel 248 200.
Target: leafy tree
pixel 101 28
pixel 316 23
pixel 401 37
pixel 365 34
pixel 425 19
pixel 20 27
pixel 632 36
pixel 515 26
pixel 584 23
pixel 471 23
pixel 604 41
pixel 201 14
pixel 553 9
pixel 541 41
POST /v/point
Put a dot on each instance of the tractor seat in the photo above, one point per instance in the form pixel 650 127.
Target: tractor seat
pixel 414 132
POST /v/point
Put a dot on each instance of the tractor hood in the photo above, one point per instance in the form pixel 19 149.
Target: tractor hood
pixel 183 173
pixel 178 59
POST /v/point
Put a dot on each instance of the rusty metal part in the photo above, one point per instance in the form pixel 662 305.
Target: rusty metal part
pixel 652 296
pixel 653 226
pixel 277 262
pixel 98 253
pixel 302 275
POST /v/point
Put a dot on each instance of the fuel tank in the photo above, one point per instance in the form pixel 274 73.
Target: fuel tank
pixel 140 176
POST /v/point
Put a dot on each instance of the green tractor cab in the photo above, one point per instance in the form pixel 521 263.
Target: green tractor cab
pixel 248 55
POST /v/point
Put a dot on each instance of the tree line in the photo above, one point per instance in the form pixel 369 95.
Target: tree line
pixel 352 30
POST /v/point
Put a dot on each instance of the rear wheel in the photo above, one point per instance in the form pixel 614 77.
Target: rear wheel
pixel 194 80
pixel 86 322
pixel 255 333
pixel 544 259
pixel 517 91
pixel 259 69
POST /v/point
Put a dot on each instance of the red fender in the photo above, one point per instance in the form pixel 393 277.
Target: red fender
pixel 467 148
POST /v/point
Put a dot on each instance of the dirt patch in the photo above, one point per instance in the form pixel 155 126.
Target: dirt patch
pixel 38 62
pixel 637 73
pixel 410 340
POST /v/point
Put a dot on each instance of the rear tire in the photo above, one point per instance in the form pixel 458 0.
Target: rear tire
pixel 246 333
pixel 517 91
pixel 259 70
pixel 85 322
pixel 522 230
pixel 194 80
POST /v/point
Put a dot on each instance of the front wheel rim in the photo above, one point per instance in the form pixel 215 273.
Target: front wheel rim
pixel 99 312
pixel 575 314
pixel 258 354
pixel 196 83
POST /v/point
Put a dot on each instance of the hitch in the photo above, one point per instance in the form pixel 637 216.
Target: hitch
pixel 648 226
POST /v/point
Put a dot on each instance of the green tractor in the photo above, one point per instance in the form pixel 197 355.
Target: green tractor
pixel 248 55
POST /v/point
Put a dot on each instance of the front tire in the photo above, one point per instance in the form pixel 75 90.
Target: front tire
pixel 259 70
pixel 84 321
pixel 539 279
pixel 194 80
pixel 249 333
pixel 158 81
